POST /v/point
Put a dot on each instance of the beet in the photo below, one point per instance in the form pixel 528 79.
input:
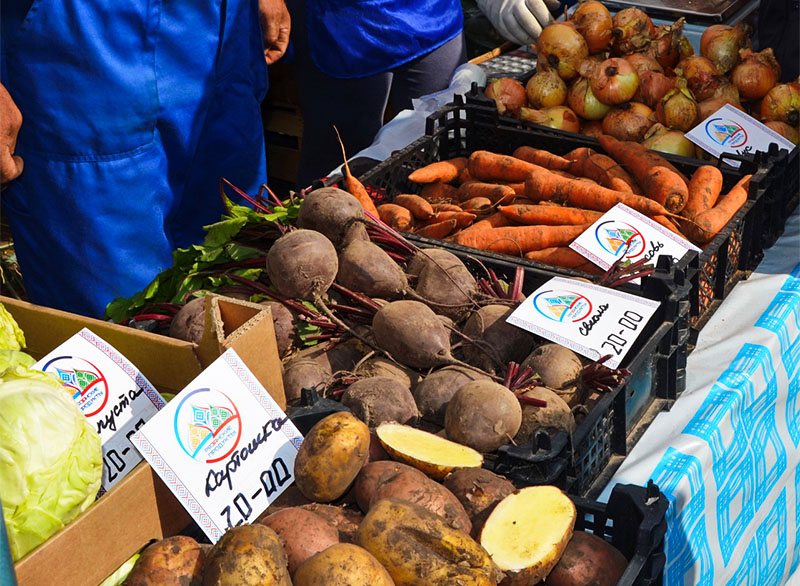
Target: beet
pixel 303 373
pixel 366 268
pixel 422 258
pixel 380 366
pixel 378 399
pixel 436 390
pixel 335 213
pixel 559 368
pixel 343 356
pixel 412 334
pixel 283 321
pixel 446 283
pixel 188 324
pixel 302 264
pixel 506 342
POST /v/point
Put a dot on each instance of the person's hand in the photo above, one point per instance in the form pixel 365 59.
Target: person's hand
pixel 10 122
pixel 275 28
pixel 520 21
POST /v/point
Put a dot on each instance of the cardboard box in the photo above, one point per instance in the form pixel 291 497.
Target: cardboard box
pixel 140 508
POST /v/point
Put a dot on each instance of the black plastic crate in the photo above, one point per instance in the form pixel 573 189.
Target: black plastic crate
pixel 462 128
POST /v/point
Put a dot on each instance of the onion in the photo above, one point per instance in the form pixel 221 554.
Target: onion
pixel 677 110
pixel 593 20
pixel 632 30
pixel 629 121
pixel 727 91
pixel 721 43
pixel 508 94
pixel 592 128
pixel 642 63
pixel 702 76
pixel 652 87
pixel 756 73
pixel 561 48
pixel 546 89
pixel 786 131
pixel 660 138
pixel 685 47
pixel 707 107
pixel 559 117
pixel 664 47
pixel 584 103
pixel 614 81
pixel 782 103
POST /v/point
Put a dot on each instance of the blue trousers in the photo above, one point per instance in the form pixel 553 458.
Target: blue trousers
pixel 132 112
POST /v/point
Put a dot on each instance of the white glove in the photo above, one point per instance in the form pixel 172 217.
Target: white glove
pixel 520 21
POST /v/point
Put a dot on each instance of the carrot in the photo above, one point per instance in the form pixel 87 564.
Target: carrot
pixel 496 220
pixel 669 225
pixel 464 176
pixel 395 216
pixel 548 215
pixel 353 186
pixel 518 187
pixel 438 230
pixel 518 240
pixel 487 166
pixel 542 158
pixel 708 223
pixel 441 171
pixel 607 172
pixel 438 192
pixel 494 192
pixel 476 204
pixel 580 154
pixel 704 189
pixel 446 207
pixel 418 207
pixel 564 256
pixel 463 219
pixel 544 185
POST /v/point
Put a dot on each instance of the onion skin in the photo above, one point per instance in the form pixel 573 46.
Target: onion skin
pixel 652 87
pixel 664 47
pixel 614 81
pixel 508 95
pixel 593 21
pixel 561 48
pixel 702 76
pixel 782 103
pixel 788 132
pixel 584 103
pixel 546 89
pixel 685 47
pixel 629 121
pixel 677 110
pixel 632 30
pixel 559 117
pixel 659 138
pixel 756 73
pixel 721 44
pixel 642 63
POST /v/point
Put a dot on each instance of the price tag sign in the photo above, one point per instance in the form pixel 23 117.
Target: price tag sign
pixel 623 232
pixel 111 393
pixel 223 446
pixel 729 130
pixel 591 320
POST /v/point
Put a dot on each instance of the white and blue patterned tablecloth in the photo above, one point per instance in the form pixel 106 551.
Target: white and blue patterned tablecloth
pixel 727 453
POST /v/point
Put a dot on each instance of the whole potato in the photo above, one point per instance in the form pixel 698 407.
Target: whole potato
pixel 248 555
pixel 331 456
pixel 343 565
pixel 302 532
pixel 588 559
pixel 478 489
pixel 173 561
pixel 371 474
pixel 483 415
pixel 346 521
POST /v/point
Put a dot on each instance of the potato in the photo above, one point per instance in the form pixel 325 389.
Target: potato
pixel 557 414
pixel 248 555
pixel 421 490
pixel 302 532
pixel 483 415
pixel 588 559
pixel 478 490
pixel 330 456
pixel 418 548
pixel 527 532
pixel 343 565
pixel 346 521
pixel 371 474
pixel 429 453
pixel 174 561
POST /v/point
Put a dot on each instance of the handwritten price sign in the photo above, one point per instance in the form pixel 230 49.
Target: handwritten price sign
pixel 589 319
pixel 111 393
pixel 223 446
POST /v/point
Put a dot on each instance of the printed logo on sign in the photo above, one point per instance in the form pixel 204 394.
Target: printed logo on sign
pixel 726 132
pixel 618 238
pixel 84 380
pixel 207 425
pixel 562 305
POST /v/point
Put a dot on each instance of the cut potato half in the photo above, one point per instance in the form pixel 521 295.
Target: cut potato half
pixel 429 453
pixel 527 533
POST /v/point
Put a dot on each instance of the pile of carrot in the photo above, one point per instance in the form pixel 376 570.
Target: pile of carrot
pixel 533 203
